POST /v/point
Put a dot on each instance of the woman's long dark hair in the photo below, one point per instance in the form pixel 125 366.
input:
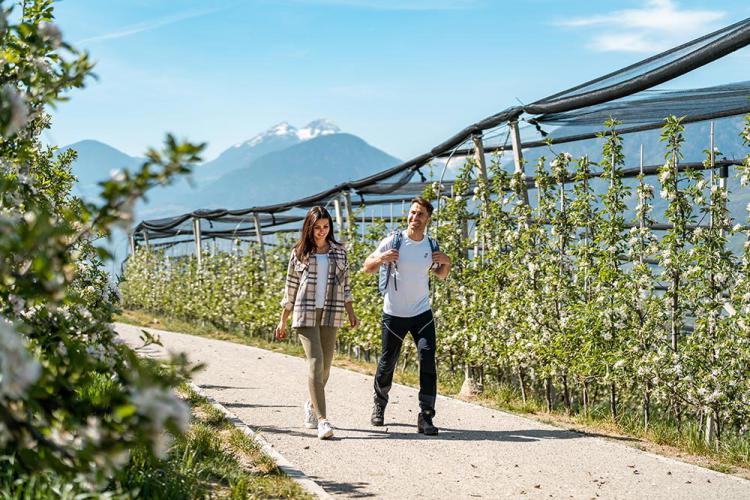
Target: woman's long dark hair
pixel 306 243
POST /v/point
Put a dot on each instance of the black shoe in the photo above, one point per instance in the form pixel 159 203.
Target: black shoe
pixel 425 425
pixel 378 415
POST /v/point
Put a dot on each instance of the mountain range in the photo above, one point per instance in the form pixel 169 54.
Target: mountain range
pixel 281 164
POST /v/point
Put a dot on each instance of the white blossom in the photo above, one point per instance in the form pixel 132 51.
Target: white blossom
pixel 159 406
pixel 18 370
pixel 51 32
pixel 17 109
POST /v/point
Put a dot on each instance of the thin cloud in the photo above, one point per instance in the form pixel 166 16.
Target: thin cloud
pixel 134 29
pixel 659 24
pixel 398 5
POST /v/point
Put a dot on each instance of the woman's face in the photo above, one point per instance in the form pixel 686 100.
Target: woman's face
pixel 320 230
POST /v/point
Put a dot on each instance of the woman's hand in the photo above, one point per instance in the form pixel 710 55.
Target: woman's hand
pixel 353 320
pixel 280 332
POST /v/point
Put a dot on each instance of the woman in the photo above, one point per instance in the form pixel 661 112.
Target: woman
pixel 318 292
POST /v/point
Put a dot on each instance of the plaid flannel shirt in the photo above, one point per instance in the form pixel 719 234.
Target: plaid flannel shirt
pixel 299 292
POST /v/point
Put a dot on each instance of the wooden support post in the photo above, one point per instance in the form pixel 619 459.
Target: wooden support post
pixel 515 137
pixel 339 219
pixel 259 236
pixel 481 163
pixel 479 156
pixel 145 241
pixel 350 220
pixel 197 238
pixel 131 239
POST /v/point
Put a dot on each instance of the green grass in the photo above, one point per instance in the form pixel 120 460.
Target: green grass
pixel 212 459
pixel 663 436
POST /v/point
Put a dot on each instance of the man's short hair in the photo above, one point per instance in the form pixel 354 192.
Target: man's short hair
pixel 423 203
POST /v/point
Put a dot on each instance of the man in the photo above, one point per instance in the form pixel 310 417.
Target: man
pixel 406 308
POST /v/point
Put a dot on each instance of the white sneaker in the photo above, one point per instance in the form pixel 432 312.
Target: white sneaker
pixel 325 431
pixel 311 421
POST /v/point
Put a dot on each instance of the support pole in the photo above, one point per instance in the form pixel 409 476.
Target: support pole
pixel 482 167
pixel 479 156
pixel 131 239
pixel 259 237
pixel 339 219
pixel 515 137
pixel 197 238
pixel 710 430
pixel 350 220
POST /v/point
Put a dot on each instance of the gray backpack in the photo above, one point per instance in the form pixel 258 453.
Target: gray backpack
pixel 387 269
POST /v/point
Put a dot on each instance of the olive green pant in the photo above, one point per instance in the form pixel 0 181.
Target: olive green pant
pixel 319 343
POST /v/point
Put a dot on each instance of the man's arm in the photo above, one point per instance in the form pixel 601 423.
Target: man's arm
pixel 377 259
pixel 444 265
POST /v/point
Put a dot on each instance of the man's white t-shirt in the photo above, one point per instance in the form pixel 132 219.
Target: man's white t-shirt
pixel 411 294
pixel 322 279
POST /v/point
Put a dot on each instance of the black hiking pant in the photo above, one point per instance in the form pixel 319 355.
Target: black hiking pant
pixel 394 330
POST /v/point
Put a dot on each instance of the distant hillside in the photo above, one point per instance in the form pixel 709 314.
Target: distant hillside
pixel 297 171
pixel 95 163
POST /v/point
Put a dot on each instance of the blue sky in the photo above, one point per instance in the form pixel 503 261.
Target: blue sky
pixel 403 75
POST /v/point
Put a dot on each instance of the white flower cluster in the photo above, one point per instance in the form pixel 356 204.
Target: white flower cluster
pixel 12 103
pixel 18 369
pixel 51 33
pixel 160 405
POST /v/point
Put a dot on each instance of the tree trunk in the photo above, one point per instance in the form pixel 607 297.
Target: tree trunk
pixel 548 393
pixel 647 406
pixel 613 400
pixel 406 361
pixel 566 393
pixel 585 397
pixel 470 386
pixel 522 383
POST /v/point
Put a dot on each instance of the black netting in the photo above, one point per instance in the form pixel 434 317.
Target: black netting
pixel 571 118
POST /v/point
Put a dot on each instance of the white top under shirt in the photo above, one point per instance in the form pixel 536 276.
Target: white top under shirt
pixel 412 271
pixel 322 280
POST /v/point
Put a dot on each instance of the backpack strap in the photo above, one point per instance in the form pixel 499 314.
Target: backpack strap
pixel 434 247
pixel 396 238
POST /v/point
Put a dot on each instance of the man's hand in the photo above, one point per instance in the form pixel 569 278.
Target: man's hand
pixel 389 256
pixel 377 259
pixel 440 258
pixel 443 263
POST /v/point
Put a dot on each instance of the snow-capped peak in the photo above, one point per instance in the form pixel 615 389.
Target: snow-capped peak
pixel 278 130
pixel 317 128
pixel 312 130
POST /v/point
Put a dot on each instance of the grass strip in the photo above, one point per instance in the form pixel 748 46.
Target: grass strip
pixel 213 459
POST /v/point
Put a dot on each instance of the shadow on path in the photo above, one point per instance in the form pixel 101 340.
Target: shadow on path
pixel 409 432
pixel 354 490
pixel 251 405
pixel 211 386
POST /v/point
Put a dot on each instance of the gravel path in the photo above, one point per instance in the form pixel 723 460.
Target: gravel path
pixel 480 452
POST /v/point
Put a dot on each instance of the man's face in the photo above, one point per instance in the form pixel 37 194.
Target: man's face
pixel 418 217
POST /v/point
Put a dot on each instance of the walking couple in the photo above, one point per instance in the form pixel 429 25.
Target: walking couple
pixel 405 259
